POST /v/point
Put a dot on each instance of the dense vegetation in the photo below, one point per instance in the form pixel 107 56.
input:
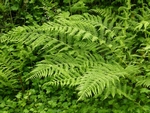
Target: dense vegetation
pixel 74 56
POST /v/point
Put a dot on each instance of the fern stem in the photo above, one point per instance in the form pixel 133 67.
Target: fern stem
pixel 20 80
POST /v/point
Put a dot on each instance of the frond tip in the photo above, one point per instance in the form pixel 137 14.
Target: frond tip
pixel 98 79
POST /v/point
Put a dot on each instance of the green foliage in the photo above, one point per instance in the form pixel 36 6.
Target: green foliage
pixel 25 12
pixel 72 50
pixel 30 12
pixel 77 62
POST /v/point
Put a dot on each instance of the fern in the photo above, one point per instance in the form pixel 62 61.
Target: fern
pixel 103 12
pixel 8 78
pixel 73 52
pixel 144 82
pixel 98 79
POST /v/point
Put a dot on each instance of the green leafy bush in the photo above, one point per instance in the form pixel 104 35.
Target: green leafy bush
pixel 25 12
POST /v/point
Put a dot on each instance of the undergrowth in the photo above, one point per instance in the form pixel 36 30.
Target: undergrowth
pixel 78 62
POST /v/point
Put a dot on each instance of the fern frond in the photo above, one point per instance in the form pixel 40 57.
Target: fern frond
pixel 70 81
pixel 106 12
pixel 143 82
pixel 79 24
pixel 7 76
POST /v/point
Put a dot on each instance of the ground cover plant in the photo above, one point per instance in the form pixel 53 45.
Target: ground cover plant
pixel 93 59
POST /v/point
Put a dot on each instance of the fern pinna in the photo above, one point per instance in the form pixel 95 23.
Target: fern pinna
pixel 74 51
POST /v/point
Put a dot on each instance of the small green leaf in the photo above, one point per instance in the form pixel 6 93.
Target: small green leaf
pixel 14 8
pixel 19 95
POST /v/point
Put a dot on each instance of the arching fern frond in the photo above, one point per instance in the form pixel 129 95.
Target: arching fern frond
pixel 8 79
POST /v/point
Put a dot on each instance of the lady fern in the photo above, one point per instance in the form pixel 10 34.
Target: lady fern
pixel 74 52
